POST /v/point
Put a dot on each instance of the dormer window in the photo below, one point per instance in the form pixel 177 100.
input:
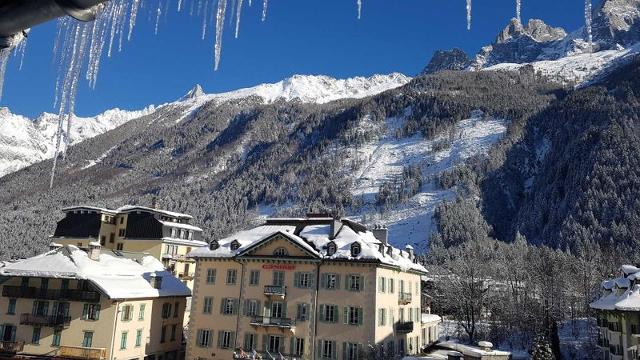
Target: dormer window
pixel 280 252
pixel 214 245
pixel 331 248
pixel 381 248
pixel 356 249
pixel 235 245
pixel 389 250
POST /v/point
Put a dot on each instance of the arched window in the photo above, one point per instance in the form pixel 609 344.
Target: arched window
pixel 356 249
pixel 280 252
pixel 331 248
pixel 214 245
pixel 235 245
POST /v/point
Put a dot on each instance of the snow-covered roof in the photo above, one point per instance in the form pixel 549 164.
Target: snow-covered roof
pixel 314 234
pixel 430 318
pixel 620 293
pixel 129 208
pixel 118 277
pixel 180 225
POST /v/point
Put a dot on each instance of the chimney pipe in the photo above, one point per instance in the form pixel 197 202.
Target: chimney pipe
pixel 94 250
pixel 381 233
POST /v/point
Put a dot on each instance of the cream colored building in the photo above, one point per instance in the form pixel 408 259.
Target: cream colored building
pixel 618 316
pixel 95 304
pixel 310 288
pixel 165 235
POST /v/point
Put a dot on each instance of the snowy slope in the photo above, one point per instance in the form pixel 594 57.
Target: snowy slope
pixel 411 223
pixel 24 141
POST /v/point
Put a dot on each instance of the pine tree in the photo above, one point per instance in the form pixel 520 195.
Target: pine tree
pixel 541 349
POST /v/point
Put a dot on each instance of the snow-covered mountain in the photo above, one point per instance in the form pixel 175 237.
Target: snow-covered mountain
pixel 25 141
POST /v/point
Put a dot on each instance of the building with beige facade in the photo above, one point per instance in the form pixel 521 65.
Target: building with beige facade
pixel 308 288
pixel 618 316
pixel 168 236
pixel 94 304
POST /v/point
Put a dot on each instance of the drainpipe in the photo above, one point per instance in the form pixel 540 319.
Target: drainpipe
pixel 316 312
pixel 235 340
pixel 115 326
pixel 17 16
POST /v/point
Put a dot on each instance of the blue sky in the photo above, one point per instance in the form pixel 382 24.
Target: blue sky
pixel 299 37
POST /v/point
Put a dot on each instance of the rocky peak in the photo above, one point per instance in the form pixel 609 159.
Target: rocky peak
pixel 194 93
pixel 536 30
pixel 617 22
pixel 454 59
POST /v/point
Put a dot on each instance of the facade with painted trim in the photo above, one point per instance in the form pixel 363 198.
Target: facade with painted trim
pixel 307 288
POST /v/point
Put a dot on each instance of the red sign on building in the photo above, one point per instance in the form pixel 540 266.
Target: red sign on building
pixel 278 267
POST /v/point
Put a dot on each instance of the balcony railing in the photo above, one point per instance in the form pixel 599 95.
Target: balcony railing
pixel 404 298
pixel 185 276
pixel 56 321
pixel 404 327
pixel 46 294
pixel 285 323
pixel 11 346
pixel 76 352
pixel 275 290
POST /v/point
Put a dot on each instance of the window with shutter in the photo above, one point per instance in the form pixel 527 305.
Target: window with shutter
pixel 211 276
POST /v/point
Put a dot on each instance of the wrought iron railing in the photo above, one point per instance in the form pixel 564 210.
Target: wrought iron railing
pixel 46 294
pixel 276 290
pixel 404 298
pixel 272 321
pixel 55 321
pixel 11 346
pixel 404 327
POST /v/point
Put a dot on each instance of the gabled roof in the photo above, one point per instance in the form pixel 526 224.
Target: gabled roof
pixel 620 293
pixel 127 209
pixel 295 240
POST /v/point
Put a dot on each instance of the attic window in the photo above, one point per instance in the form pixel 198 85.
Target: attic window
pixel 280 252
pixel 156 282
pixel 235 245
pixel 331 248
pixel 214 245
pixel 381 248
pixel 389 251
pixel 356 249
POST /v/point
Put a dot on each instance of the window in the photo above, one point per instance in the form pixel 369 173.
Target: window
pixel 235 245
pixel 254 277
pixel 123 340
pixel 35 337
pixel 330 281
pixel 356 249
pixel 207 305
pixel 40 308
pixel 87 339
pixel 91 312
pixel 328 349
pixel 176 309
pixel 298 346
pixel 276 344
pixel 11 309
pixel 352 351
pixel 352 315
pixel 166 310
pixel 278 278
pixel 250 342
pixel 55 339
pixel 303 280
pixel 278 309
pixel 228 306
pixel 44 284
pixel 138 337
pixel 112 238
pixel 391 286
pixel 382 284
pixel 329 313
pixel 141 312
pixel 120 247
pixel 354 282
pixel 251 307
pixel 64 285
pixel 280 252
pixel 121 233
pixel 163 334
pixel 122 220
pixel 127 313
pixel 382 317
pixel 303 312
pixel 103 240
pixel 24 282
pixel 203 338
pixel 232 275
pixel 214 245
pixel 174 329
pixel 225 339
pixel 331 248
pixel 211 276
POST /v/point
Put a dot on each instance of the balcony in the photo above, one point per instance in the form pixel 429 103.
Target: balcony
pixel 77 352
pixel 275 290
pixel 614 326
pixel 404 298
pixel 55 321
pixel 185 276
pixel 45 294
pixel 11 346
pixel 283 323
pixel 404 327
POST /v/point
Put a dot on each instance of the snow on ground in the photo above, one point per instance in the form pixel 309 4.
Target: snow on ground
pixel 411 223
pixel 92 163
pixel 578 68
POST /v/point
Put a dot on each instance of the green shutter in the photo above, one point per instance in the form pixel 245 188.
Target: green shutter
pixel 284 309
pixel 312 280
pixel 337 282
pixel 299 311
pixel 265 342
pixel 346 282
pixel 360 316
pixel 334 350
pixel 319 349
pixel 296 280
pixel 336 312
pixel 322 318
pixel 85 312
pixel 224 300
pixel 232 340
pixel 245 306
pixel 220 338
pixel 235 307
pixel 344 350
pixel 259 310
pixel 323 281
pixel 345 313
pixel 361 283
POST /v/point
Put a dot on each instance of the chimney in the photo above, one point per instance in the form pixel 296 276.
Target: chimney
pixel 54 246
pixel 336 225
pixel 94 250
pixel 381 233
pixel 154 202
pixel 409 249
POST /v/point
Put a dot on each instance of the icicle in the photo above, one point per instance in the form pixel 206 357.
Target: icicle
pixel 588 23
pixel 468 14
pixel 220 14
pixel 158 14
pixel 4 59
pixel 359 3
pixel 179 5
pixel 250 3
pixel 518 11
pixel 265 5
pixel 204 19
pixel 135 5
pixel 238 13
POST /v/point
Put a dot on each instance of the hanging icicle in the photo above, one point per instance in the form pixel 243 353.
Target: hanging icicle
pixel 238 14
pixel 220 14
pixel 265 5
pixel 518 11
pixel 359 3
pixel 588 23
pixel 468 14
pixel 204 19
pixel 4 59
